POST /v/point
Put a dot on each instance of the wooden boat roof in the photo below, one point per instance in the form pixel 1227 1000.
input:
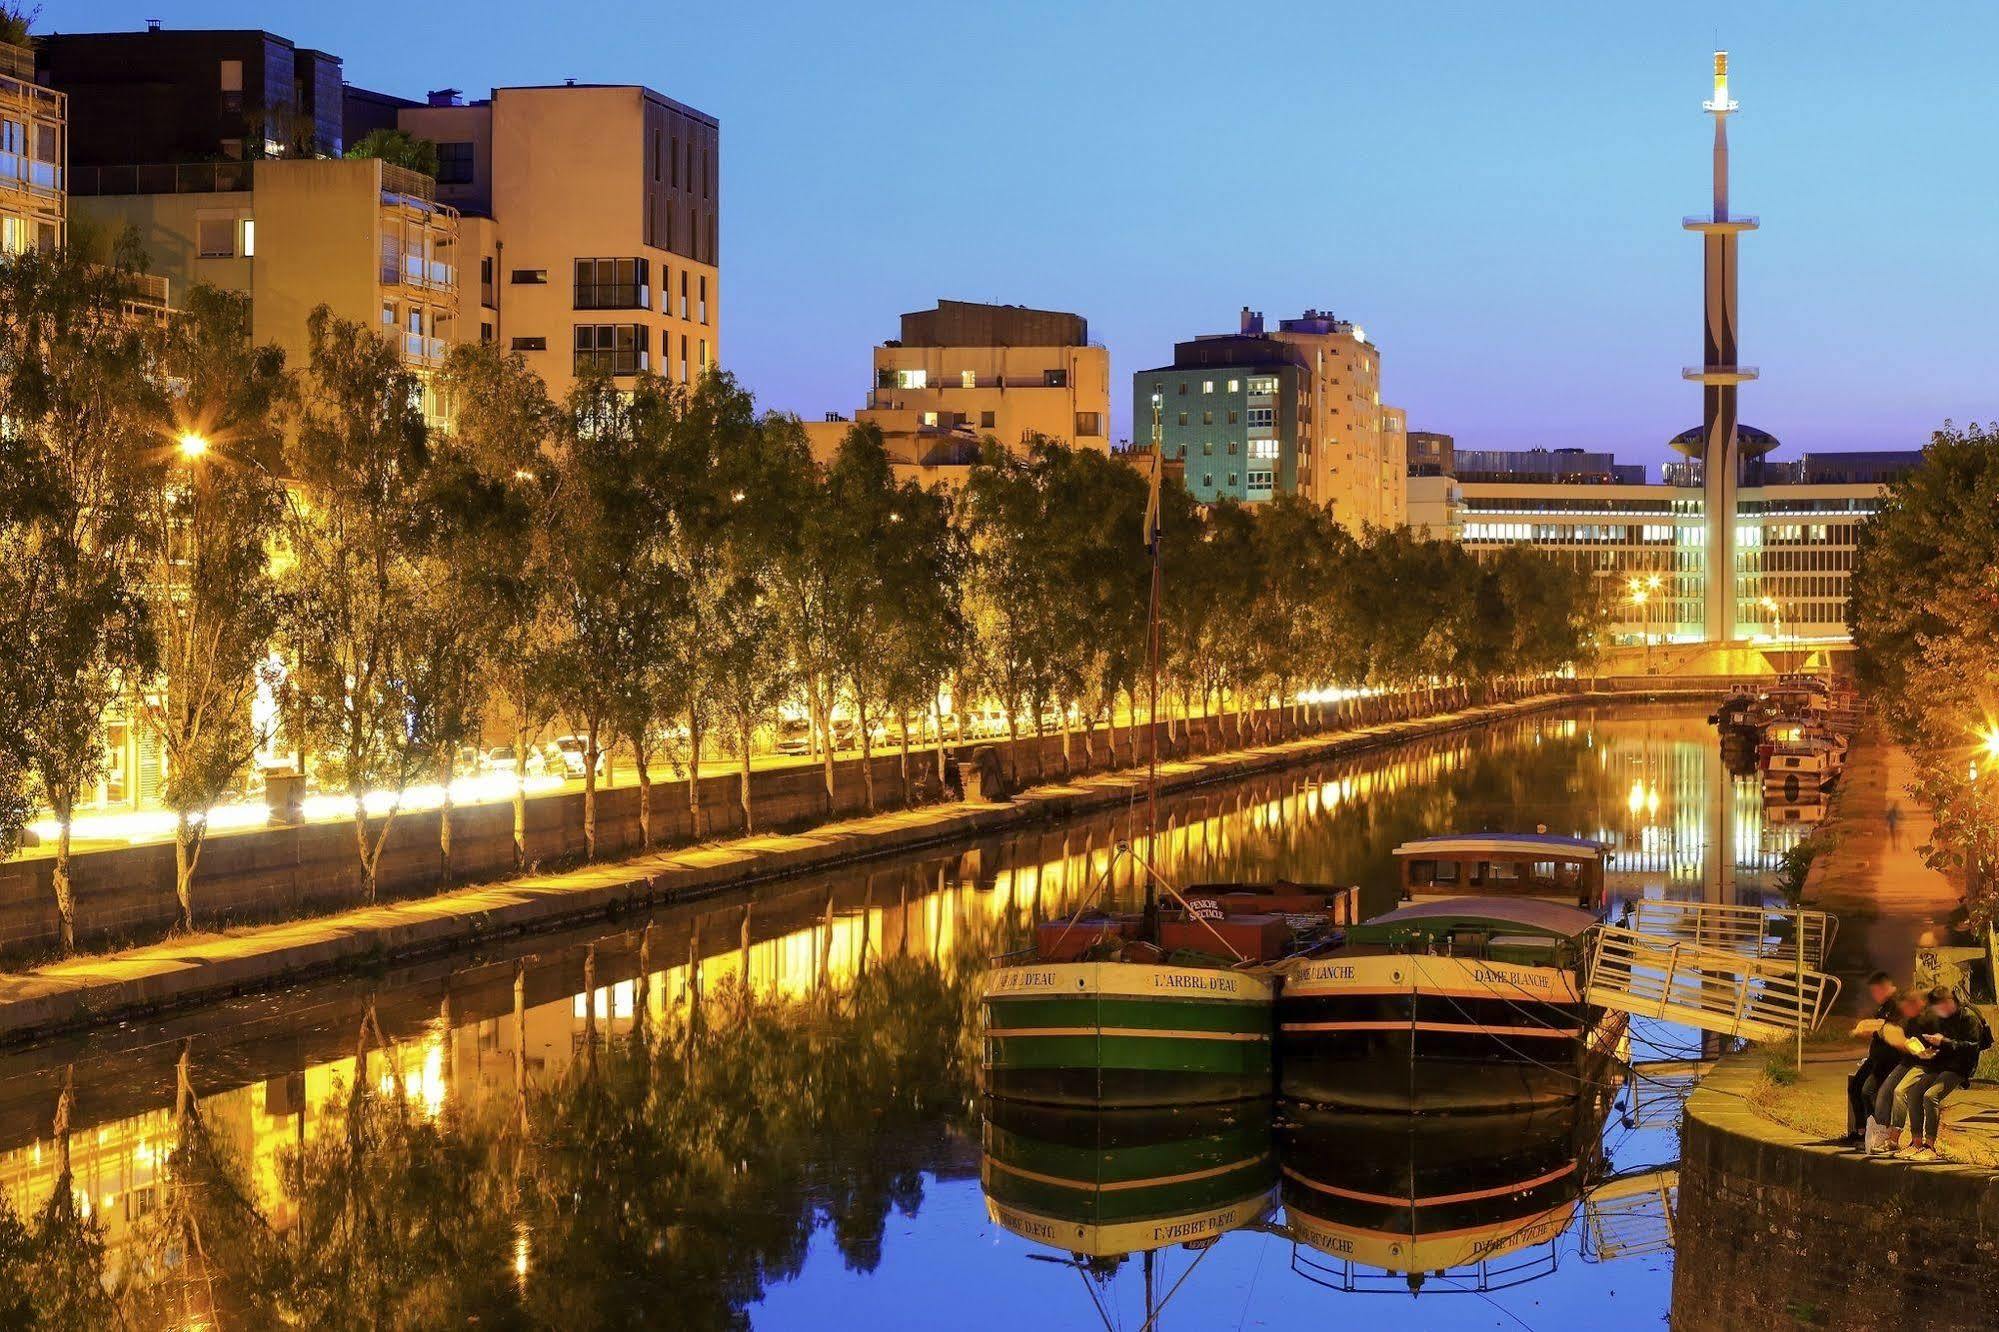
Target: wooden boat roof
pixel 1552 846
pixel 1533 914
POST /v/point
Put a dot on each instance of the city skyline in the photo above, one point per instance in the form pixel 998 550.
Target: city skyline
pixel 1544 157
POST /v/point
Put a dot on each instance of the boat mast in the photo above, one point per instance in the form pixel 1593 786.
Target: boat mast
pixel 1152 542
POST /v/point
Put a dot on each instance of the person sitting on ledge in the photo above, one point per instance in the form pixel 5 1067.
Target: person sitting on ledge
pixel 1898 1033
pixel 1956 1036
pixel 1864 1083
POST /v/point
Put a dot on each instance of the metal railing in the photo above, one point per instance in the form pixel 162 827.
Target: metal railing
pixel 162 178
pixel 417 347
pixel 1709 988
pixel 408 183
pixel 1752 931
pixel 613 296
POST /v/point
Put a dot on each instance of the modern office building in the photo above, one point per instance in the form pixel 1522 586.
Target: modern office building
pixel 34 127
pixel 165 95
pixel 999 371
pixel 1793 534
pixel 593 221
pixel 1297 410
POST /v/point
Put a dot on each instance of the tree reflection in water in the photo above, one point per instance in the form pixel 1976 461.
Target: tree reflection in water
pixel 667 1173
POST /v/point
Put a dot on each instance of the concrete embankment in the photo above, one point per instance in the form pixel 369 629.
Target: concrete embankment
pixel 1775 1230
pixel 86 991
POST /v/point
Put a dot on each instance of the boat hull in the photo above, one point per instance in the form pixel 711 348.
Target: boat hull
pixel 1109 1034
pixel 1414 1033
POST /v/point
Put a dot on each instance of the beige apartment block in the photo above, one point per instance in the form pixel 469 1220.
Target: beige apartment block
pixel 1003 371
pixel 33 153
pixel 597 232
pixel 1345 454
pixel 367 239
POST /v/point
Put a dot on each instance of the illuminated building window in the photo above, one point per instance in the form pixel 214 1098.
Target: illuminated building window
pixel 912 379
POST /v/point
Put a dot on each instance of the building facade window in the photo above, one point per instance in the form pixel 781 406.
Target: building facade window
pixel 215 237
pixel 617 349
pixel 530 344
pixel 454 163
pixel 529 277
pixel 1089 424
pixel 1055 379
pixel 613 284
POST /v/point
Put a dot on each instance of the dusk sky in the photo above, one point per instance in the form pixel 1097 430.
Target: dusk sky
pixel 1492 191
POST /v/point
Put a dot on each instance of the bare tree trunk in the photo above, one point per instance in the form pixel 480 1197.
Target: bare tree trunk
pixel 590 792
pixel 867 754
pixel 368 862
pixel 1068 739
pixel 63 797
pixel 902 717
pixel 444 824
pixel 188 837
pixel 694 773
pixel 937 708
pixel 520 798
pixel 744 732
pixel 823 704
pixel 644 762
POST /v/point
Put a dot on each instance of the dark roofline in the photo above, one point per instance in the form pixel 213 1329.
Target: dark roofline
pixel 641 88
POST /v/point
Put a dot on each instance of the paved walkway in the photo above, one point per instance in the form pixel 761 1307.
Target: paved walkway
pixel 89 990
pixel 1872 877
pixel 1808 1112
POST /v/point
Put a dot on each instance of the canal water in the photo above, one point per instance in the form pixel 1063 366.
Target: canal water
pixel 761 1109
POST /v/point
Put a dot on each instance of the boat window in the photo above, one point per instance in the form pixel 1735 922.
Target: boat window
pixel 1503 871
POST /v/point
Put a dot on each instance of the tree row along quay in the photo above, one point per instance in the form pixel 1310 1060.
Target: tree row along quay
pixel 405 566
pixel 86 991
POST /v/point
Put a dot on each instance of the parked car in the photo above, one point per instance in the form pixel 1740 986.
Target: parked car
pixel 566 755
pixel 502 759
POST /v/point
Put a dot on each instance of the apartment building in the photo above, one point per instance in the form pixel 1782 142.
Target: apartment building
pixel 592 217
pixel 34 127
pixel 999 371
pixel 1296 410
pixel 168 95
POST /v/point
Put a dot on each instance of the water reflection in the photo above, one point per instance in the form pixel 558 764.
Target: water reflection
pixel 730 1110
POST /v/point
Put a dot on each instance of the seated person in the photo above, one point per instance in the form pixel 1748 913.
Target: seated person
pixel 1956 1036
pixel 1864 1083
pixel 1899 1034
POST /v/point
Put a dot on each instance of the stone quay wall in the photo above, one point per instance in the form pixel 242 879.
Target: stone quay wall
pixel 1773 1232
pixel 126 894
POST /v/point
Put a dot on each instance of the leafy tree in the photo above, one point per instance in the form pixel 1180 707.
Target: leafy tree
pixel 206 510
pixel 617 590
pixel 502 425
pixel 397 148
pixel 1924 612
pixel 359 530
pixel 79 404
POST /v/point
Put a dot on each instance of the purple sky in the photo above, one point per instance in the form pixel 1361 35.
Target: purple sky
pixel 1494 196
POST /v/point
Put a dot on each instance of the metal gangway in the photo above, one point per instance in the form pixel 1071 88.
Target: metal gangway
pixel 1750 930
pixel 1728 991
pixel 1631 1216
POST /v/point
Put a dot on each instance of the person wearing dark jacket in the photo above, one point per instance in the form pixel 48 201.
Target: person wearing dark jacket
pixel 1864 1083
pixel 1956 1036
pixel 1912 1058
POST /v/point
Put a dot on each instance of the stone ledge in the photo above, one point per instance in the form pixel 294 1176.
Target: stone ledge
pixel 91 991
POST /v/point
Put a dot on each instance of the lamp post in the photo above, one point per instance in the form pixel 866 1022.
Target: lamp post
pixel 1776 619
pixel 1641 597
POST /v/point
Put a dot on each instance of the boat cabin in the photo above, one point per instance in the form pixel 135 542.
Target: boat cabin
pixel 1544 866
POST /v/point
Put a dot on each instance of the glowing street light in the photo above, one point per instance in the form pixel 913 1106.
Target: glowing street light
pixel 192 446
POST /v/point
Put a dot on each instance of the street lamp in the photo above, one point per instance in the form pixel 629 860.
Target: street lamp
pixel 1641 597
pixel 1776 619
pixel 192 445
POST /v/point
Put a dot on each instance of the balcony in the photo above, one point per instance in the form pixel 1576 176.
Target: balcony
pixel 413 270
pixel 421 350
pixel 618 361
pixel 613 296
pixel 402 183
pixel 1719 374
pixel 162 178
